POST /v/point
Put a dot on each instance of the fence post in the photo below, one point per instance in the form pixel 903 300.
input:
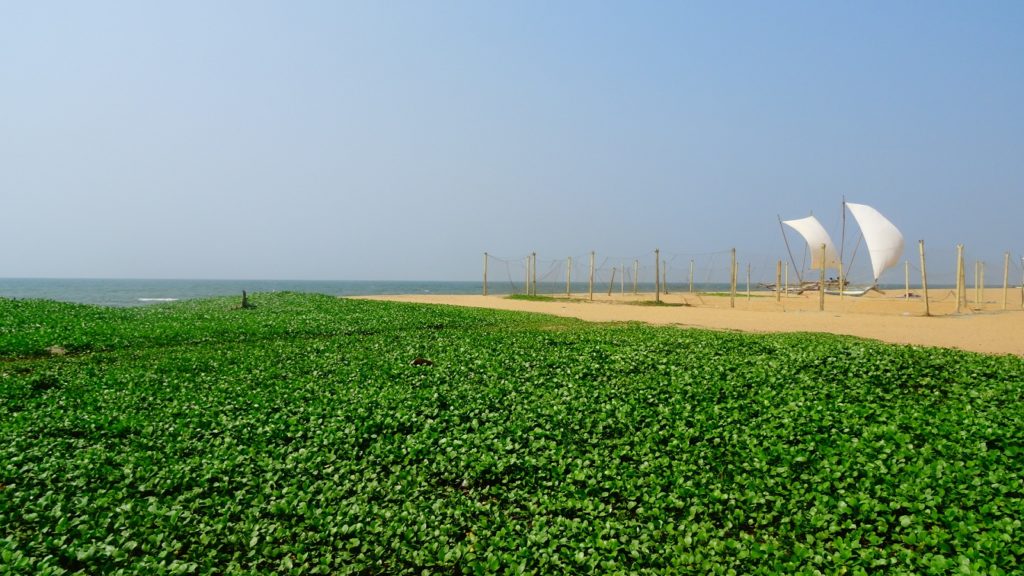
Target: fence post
pixel 528 289
pixel 591 274
pixel 568 278
pixel 924 279
pixel 534 285
pixel 977 279
pixel 748 283
pixel 959 273
pixel 485 273
pixel 906 279
pixel 842 288
pixel 961 279
pixel 526 281
pixel 732 280
pixel 821 281
pixel 778 280
pixel 657 276
pixel 1006 277
pixel 636 271
pixel 981 287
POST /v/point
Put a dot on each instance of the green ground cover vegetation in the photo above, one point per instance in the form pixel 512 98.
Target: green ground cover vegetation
pixel 299 437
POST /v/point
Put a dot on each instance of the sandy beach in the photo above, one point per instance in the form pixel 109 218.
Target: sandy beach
pixel 983 325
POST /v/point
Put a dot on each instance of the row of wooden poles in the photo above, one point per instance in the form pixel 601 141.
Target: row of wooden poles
pixel 660 278
pixel 961 280
pixel 660 275
pixel 979 280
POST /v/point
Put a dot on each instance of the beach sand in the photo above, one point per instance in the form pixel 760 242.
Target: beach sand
pixel 981 326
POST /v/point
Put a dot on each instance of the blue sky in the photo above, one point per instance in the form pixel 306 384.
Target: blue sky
pixel 400 140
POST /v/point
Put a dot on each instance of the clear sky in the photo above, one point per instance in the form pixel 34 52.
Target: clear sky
pixel 402 139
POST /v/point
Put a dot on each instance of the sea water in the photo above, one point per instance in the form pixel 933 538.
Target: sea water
pixel 113 292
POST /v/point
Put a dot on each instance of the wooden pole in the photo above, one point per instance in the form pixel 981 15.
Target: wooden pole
pixel 1006 277
pixel 657 276
pixel 967 300
pixel 525 286
pixel 906 279
pixel 529 274
pixel 622 281
pixel 975 284
pixel 958 249
pixel 732 281
pixel 591 275
pixel 536 280
pixel 977 274
pixel 842 249
pixel 636 272
pixel 568 278
pixel 963 278
pixel 841 287
pixel 534 273
pixel 778 281
pixel 821 281
pixel 924 279
pixel 960 275
pixel 611 284
pixel 485 273
pixel 748 283
pixel 981 287
pixel 691 275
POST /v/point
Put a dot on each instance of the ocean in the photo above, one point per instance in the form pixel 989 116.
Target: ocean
pixel 114 292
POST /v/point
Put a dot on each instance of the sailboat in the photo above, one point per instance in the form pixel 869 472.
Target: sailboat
pixel 883 239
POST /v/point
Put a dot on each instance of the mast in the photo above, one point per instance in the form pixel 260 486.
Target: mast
pixel 791 259
pixel 842 245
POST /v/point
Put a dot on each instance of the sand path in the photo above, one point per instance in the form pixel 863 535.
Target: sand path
pixel 981 326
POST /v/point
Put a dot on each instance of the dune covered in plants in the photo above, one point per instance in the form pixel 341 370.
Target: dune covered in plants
pixel 309 434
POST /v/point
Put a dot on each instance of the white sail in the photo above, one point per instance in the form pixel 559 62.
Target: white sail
pixel 815 235
pixel 884 240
